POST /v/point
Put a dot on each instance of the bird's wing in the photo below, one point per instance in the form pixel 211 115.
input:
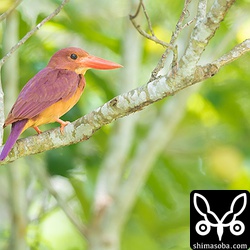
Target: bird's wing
pixel 46 88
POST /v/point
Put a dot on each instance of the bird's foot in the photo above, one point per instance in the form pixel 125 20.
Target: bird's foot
pixel 37 130
pixel 63 124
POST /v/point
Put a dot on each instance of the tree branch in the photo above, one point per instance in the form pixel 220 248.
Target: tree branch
pixel 178 28
pixel 238 51
pixel 203 31
pixel 30 33
pixel 120 106
pixel 13 7
pixel 151 36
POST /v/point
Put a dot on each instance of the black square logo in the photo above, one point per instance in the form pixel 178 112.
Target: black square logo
pixel 219 219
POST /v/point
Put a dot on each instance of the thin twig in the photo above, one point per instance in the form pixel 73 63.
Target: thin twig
pixel 148 19
pixel 188 23
pixel 169 46
pixel 13 7
pixel 30 33
pixel 151 36
pixel 137 11
pixel 178 28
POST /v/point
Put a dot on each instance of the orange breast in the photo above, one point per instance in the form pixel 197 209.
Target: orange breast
pixel 56 110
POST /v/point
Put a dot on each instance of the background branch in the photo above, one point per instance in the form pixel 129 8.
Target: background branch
pixel 13 7
pixel 30 33
pixel 16 176
pixel 178 28
pixel 151 36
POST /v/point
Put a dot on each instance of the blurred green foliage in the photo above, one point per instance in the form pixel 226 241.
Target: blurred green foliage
pixel 209 148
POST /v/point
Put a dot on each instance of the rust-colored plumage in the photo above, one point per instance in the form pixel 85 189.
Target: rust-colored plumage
pixel 52 92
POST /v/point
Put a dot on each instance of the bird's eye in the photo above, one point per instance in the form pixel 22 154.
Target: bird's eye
pixel 73 56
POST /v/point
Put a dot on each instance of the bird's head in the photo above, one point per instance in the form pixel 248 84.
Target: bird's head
pixel 78 60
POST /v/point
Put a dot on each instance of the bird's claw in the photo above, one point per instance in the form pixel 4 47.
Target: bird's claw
pixel 37 130
pixel 63 124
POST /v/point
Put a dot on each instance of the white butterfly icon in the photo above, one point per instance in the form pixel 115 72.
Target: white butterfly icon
pixel 236 227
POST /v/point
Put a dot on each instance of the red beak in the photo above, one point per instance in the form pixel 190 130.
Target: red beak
pixel 93 62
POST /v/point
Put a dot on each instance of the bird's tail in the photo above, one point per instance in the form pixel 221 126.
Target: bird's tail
pixel 16 130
